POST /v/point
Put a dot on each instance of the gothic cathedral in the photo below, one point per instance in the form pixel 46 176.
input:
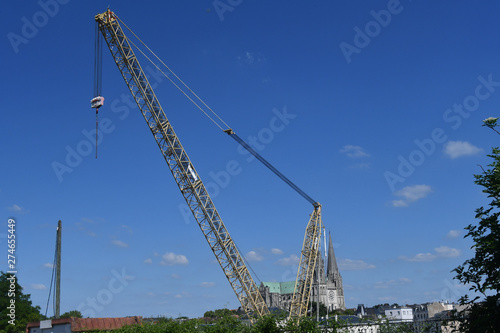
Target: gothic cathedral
pixel 331 292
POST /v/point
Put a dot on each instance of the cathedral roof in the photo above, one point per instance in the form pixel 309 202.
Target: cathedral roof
pixel 280 287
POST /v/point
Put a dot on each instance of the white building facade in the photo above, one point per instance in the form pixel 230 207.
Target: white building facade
pixel 401 314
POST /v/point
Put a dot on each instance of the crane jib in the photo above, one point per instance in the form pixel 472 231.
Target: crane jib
pixel 183 171
pixel 195 192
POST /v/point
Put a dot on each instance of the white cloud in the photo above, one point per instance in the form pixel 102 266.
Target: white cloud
pixel 456 149
pixel 439 252
pixel 88 220
pixel 399 203
pixel 354 265
pixel 170 259
pixel 420 257
pixel 17 209
pixel 127 228
pixel 276 251
pixel 148 261
pixel 392 283
pixel 411 194
pixel 253 256
pixel 83 225
pixel 447 252
pixel 292 260
pixel 119 243
pixel 251 58
pixel 175 276
pixel 453 234
pixel 182 295
pixel 354 151
pixel 207 284
pixel 48 265
pixel 38 286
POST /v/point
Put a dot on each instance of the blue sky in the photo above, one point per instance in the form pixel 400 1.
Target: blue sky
pixel 373 108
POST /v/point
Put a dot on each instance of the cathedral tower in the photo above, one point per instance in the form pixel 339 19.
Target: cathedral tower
pixel 335 291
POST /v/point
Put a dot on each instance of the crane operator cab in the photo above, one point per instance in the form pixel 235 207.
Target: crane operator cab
pixel 97 102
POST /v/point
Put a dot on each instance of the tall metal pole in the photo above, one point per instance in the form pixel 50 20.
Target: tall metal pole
pixel 58 271
pixel 311 292
pixel 326 269
pixel 318 280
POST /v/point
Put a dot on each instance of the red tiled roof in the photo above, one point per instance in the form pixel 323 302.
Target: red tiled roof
pixel 89 324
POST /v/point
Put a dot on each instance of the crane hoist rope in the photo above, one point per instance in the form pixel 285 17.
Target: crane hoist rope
pixel 98 100
pixel 228 131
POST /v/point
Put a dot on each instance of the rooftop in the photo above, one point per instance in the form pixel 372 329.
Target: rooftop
pixel 280 287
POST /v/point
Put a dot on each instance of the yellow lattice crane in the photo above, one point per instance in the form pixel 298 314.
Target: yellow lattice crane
pixel 193 189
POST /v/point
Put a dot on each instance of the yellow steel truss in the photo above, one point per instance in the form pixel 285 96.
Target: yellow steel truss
pixel 185 175
pixel 308 258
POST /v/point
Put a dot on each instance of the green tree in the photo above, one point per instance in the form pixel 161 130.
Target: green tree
pixel 302 325
pixel 227 324
pixel 322 309
pixel 73 313
pixel 209 314
pixel 15 320
pixel 267 324
pixel 219 313
pixel 482 272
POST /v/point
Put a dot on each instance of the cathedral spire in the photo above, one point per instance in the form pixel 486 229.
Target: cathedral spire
pixel 332 268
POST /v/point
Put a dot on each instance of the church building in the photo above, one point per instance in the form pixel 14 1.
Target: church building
pixel 331 292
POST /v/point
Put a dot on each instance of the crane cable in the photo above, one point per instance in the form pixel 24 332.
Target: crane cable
pixel 271 167
pixel 52 282
pixel 97 76
pixel 229 131
pixel 175 75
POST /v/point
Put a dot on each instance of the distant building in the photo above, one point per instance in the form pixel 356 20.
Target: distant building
pixel 399 314
pixel 277 294
pixel 331 291
pixel 435 310
pixel 429 317
pixel 371 313
pixel 392 313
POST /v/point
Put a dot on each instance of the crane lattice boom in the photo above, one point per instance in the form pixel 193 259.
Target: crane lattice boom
pixel 308 258
pixel 185 175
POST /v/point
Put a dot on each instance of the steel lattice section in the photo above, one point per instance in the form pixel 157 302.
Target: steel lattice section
pixel 192 189
pixel 310 251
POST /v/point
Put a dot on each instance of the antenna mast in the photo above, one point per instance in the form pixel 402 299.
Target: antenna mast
pixel 58 271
